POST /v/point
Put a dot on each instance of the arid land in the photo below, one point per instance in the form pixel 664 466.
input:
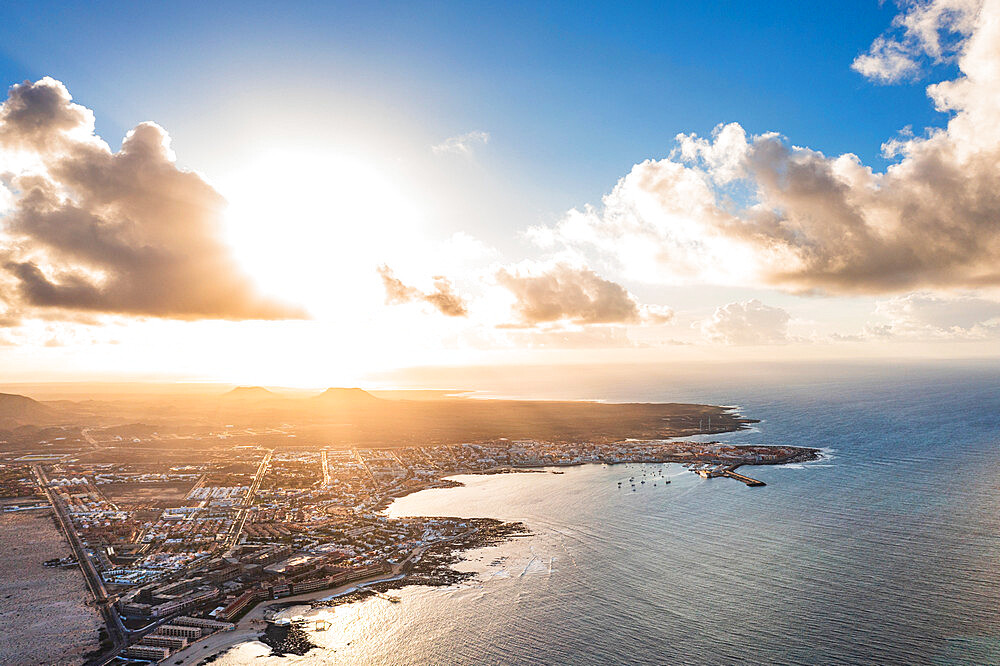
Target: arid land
pixel 46 613
pixel 183 516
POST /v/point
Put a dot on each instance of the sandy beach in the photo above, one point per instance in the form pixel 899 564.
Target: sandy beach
pixel 53 602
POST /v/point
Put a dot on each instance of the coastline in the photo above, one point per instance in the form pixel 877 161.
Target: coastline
pixel 250 626
pixel 434 569
pixel 440 572
pixel 804 454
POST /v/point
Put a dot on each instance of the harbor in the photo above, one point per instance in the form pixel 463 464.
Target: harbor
pixel 727 471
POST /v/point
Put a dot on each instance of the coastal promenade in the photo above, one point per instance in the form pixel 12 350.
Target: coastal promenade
pixel 252 624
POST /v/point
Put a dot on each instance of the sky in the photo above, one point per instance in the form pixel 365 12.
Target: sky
pixel 322 193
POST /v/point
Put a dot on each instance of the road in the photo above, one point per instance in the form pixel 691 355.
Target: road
pixel 85 433
pixel 202 480
pixel 116 630
pixel 248 500
pixel 360 459
pixel 326 469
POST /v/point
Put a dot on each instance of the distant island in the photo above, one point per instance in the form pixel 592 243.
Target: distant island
pixel 185 514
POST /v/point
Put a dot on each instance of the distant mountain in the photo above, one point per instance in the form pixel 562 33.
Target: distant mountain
pixel 19 410
pixel 249 393
pixel 346 396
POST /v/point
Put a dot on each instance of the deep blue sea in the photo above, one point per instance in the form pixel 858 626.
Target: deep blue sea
pixel 886 552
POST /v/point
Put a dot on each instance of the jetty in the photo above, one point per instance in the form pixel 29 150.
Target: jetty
pixel 732 474
pixel 712 472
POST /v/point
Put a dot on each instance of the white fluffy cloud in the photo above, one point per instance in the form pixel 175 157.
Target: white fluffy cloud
pixel 934 30
pixel 128 232
pixel 757 211
pixel 935 316
pixel 564 293
pixel 747 323
pixel 463 144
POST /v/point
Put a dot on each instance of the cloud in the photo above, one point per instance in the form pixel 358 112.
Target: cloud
pixel 939 311
pixel 747 323
pixel 463 144
pixel 758 211
pixel 125 232
pixel 579 295
pixel 41 117
pixel 443 297
pixel 933 30
pixel 573 337
pixel 927 317
pixel 397 293
pixel 931 316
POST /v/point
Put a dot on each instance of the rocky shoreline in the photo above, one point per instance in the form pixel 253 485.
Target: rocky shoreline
pixel 434 566
pixel 803 454
pixel 284 639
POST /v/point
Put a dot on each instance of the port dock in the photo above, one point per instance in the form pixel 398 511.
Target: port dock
pixel 712 472
pixel 732 474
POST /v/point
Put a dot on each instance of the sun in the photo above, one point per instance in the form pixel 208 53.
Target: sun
pixel 307 225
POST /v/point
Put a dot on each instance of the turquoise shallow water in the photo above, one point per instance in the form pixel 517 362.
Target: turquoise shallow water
pixel 886 552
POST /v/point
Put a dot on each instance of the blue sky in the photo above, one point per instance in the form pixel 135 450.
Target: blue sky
pixel 336 131
pixel 572 94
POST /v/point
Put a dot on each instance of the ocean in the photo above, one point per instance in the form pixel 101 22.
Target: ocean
pixel 887 551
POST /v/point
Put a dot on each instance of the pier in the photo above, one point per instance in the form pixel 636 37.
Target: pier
pixel 745 479
pixel 712 472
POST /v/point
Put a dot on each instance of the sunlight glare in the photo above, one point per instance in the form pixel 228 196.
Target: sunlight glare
pixel 303 223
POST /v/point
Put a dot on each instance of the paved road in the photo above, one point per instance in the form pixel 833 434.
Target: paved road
pixel 251 496
pixel 116 630
pixel 326 469
pixel 85 433
pixel 360 459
